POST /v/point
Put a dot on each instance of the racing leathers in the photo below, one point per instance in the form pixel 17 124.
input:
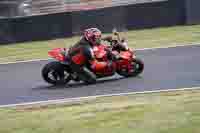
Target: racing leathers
pixel 82 61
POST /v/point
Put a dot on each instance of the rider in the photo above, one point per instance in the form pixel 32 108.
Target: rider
pixel 82 58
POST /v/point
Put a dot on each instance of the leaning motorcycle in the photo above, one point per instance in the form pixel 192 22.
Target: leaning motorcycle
pixel 59 72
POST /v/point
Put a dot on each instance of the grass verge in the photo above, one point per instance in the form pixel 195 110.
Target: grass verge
pixel 166 112
pixel 147 38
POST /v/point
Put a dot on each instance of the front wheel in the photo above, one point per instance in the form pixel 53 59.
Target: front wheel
pixel 136 68
pixel 55 73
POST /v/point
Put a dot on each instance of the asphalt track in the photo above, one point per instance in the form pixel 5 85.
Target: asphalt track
pixel 164 68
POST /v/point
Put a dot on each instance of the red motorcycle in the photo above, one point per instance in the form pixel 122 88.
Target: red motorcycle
pixel 59 72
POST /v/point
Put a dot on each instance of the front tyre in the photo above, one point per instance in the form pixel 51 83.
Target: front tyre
pixel 137 67
pixel 55 73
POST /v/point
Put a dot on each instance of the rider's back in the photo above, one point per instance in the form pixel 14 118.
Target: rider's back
pixel 81 50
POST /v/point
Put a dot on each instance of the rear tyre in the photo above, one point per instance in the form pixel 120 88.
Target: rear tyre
pixel 54 73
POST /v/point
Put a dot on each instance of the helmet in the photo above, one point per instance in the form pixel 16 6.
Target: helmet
pixel 93 35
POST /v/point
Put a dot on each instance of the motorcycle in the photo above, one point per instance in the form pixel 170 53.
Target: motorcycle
pixel 126 64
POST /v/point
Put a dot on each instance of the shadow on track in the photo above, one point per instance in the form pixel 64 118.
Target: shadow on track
pixel 77 84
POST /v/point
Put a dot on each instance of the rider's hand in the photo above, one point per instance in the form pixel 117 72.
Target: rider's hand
pixel 116 33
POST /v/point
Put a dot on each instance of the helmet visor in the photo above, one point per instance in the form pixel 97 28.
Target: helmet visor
pixel 97 38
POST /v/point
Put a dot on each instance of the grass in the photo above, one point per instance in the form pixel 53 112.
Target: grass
pixel 171 112
pixel 147 38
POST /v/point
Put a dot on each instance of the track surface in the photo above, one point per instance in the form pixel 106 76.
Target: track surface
pixel 164 68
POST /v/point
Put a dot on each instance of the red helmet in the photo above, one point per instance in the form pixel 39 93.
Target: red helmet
pixel 93 35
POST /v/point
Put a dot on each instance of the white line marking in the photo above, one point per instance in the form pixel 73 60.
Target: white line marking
pixel 68 100
pixel 26 61
pixel 170 46
pixel 163 47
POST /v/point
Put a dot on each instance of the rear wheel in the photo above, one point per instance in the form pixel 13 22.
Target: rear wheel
pixel 137 67
pixel 55 73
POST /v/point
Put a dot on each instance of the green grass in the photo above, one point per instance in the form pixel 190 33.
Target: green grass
pixel 172 112
pixel 137 39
